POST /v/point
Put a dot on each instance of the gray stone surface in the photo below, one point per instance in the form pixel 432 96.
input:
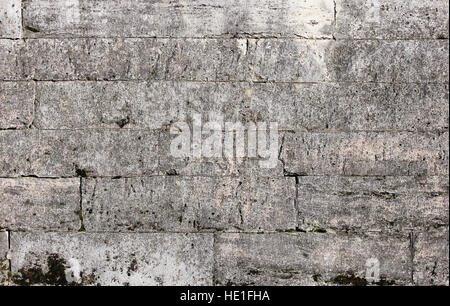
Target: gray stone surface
pixel 366 153
pixel 36 204
pixel 391 19
pixel 69 153
pixel 189 204
pixel 10 18
pixel 16 104
pixel 16 149
pixel 124 59
pixel 111 259
pixel 226 60
pixel 184 18
pixel 309 259
pixel 94 191
pixel 321 106
pixel 138 105
pixel 4 262
pixel 431 258
pixel 220 166
pixel 377 204
pixel 349 60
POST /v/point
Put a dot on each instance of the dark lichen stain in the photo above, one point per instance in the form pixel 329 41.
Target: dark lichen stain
pixel 254 272
pixel 56 275
pixel 133 267
pixel 349 279
pixel 35 275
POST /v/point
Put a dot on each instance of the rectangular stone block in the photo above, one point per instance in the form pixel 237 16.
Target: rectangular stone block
pixel 4 262
pixel 350 106
pixel 377 204
pixel 16 104
pixel 37 204
pixel 188 204
pixel 198 18
pixel 125 58
pixel 262 161
pixel 366 154
pixel 431 258
pixel 68 153
pixel 311 259
pixel 135 105
pixel 319 106
pixel 111 259
pixel 16 149
pixel 391 19
pixel 10 18
pixel 288 60
pixel 9 59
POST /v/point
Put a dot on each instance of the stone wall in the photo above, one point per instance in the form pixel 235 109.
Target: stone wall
pixel 92 194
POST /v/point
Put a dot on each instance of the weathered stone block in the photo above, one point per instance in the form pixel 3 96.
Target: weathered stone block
pixel 310 259
pixel 358 153
pixel 267 165
pixel 290 60
pixel 36 204
pixel 111 259
pixel 431 258
pixel 188 204
pixel 16 149
pixel 350 106
pixel 16 104
pixel 391 19
pixel 10 18
pixel 126 59
pixel 379 204
pixel 97 153
pixel 68 153
pixel 198 18
pixel 134 105
pixel 320 106
pixel 9 59
pixel 4 262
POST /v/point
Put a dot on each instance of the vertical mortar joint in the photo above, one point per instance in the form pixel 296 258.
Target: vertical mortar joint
pixel 412 253
pixel 80 208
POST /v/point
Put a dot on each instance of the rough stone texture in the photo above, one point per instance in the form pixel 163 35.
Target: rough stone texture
pixel 226 60
pixel 321 106
pixel 135 105
pixel 349 60
pixel 379 204
pixel 68 153
pixel 124 59
pixel 111 259
pixel 4 262
pixel 431 258
pixel 366 153
pixel 10 19
pixel 391 19
pixel 33 204
pixel 220 166
pixel 189 204
pixel 309 259
pixel 92 93
pixel 184 18
pixel 16 104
